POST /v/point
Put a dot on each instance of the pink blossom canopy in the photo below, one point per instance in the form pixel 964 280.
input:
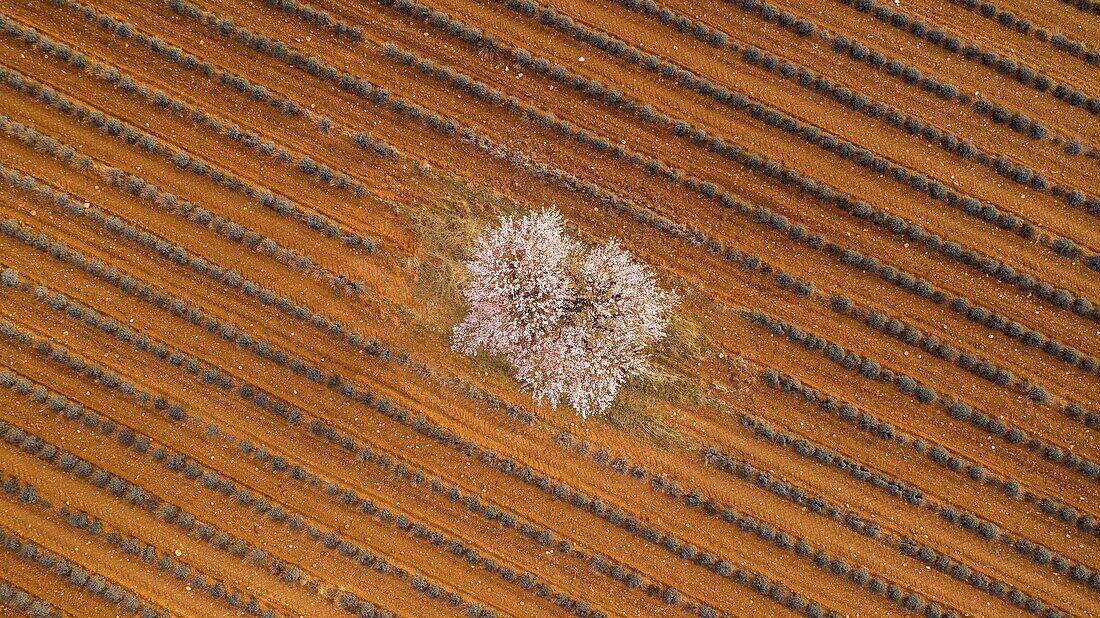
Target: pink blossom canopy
pixel 574 322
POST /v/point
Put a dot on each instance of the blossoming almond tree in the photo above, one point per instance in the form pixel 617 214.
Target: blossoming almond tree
pixel 574 322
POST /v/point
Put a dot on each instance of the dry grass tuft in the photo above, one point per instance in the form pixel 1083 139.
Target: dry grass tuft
pixel 638 414
pixel 446 229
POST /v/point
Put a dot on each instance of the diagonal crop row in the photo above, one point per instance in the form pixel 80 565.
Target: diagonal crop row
pixel 1005 65
pixel 997 113
pixel 80 520
pixel 217 273
pixel 126 83
pixel 120 227
pixel 1078 412
pixel 955 408
pixel 912 75
pixel 964 306
pixel 773 117
pixel 151 194
pixel 816 504
pixel 899 69
pixel 177 462
pixel 116 128
pixel 185 521
pixel 823 507
pixel 867 422
pixel 893 487
pixel 93 371
pixel 28 603
pixel 802 547
pixel 59 568
pixel 830 143
pixel 1010 20
pixel 365 141
pixel 1086 6
pixel 307 12
pixel 131 493
pixel 182 159
pixel 806 78
pixel 232 81
pixel 420 530
pixel 790 70
pixel 264 506
pixel 126 491
pixel 930 449
pixel 983 368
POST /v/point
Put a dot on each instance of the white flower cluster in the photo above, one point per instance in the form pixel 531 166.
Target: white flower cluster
pixel 574 322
